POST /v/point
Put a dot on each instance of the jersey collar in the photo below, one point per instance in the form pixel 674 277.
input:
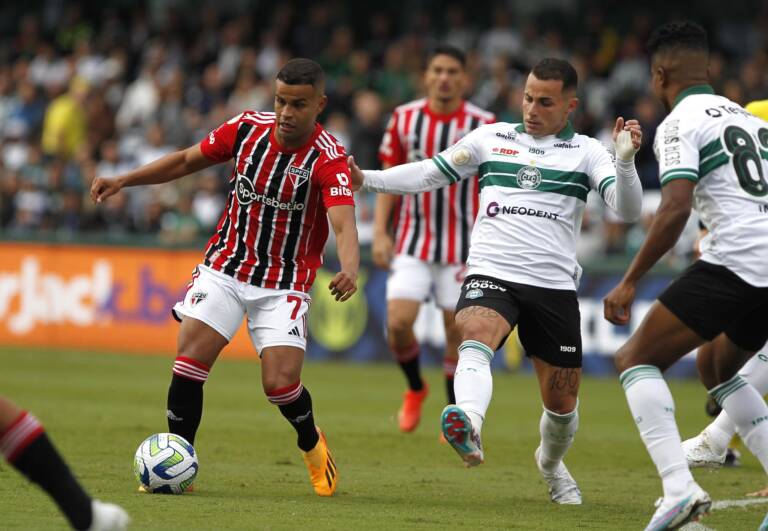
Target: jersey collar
pixel 282 149
pixel 566 133
pixel 690 91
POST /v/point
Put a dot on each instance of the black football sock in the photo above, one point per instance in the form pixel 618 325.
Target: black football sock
pixel 185 397
pixel 408 359
pixel 295 404
pixel 29 450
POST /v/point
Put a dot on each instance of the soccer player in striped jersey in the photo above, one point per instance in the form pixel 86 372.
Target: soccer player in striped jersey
pixel 290 177
pixel 26 447
pixel 712 157
pixel 427 248
pixel 522 268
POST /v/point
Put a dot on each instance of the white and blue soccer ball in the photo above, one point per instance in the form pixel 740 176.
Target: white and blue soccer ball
pixel 165 463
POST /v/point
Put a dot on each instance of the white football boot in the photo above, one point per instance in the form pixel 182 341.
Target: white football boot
pixel 674 513
pixel 108 517
pixel 562 487
pixel 699 452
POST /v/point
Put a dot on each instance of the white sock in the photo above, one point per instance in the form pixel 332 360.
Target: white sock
pixel 748 411
pixel 722 429
pixel 653 409
pixel 473 383
pixel 557 433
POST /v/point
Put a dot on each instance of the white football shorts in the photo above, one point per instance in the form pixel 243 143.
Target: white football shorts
pixel 276 317
pixel 414 279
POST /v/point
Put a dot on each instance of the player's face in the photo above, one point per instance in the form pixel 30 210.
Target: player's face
pixel 296 110
pixel 546 106
pixel 445 79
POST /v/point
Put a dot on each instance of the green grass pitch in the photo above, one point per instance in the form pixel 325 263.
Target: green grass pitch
pixel 99 407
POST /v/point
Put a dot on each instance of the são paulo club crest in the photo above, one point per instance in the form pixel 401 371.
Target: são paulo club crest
pixel 297 175
pixel 196 297
pixel 529 177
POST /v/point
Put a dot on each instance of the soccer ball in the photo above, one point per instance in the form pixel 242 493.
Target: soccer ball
pixel 165 463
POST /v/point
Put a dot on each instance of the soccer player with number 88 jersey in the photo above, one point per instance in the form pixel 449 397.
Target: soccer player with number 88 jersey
pixel 712 157
pixel 290 177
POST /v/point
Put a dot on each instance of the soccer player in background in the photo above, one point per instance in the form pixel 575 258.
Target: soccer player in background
pixel 26 446
pixel 427 247
pixel 290 176
pixel 709 153
pixel 522 268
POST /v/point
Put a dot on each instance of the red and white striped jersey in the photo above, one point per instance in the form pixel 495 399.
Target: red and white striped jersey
pixel 433 226
pixel 274 227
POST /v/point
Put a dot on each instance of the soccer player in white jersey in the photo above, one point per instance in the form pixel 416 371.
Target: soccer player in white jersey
pixel 711 157
pixel 711 447
pixel 427 250
pixel 522 268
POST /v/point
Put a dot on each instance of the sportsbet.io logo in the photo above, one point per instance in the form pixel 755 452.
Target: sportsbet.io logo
pixel 529 178
pixel 247 195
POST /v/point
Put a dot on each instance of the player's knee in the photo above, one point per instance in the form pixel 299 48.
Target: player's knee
pixel 192 350
pixel 274 380
pixel 476 331
pixel 624 359
pixel 398 326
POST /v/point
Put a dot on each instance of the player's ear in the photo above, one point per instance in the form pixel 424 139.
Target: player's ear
pixel 662 76
pixel 573 102
pixel 322 103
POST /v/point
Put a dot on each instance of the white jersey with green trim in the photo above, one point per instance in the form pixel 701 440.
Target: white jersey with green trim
pixel 532 197
pixel 714 142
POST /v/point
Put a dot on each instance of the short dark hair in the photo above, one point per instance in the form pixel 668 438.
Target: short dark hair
pixel 450 51
pixel 557 69
pixel 680 35
pixel 302 71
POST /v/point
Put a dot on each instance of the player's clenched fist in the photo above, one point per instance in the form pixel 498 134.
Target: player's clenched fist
pixel 617 305
pixel 343 285
pixel 102 188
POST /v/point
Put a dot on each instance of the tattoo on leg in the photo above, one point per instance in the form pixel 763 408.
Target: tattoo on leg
pixel 563 379
pixel 477 311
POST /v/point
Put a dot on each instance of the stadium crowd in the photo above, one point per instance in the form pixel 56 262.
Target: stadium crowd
pixel 91 89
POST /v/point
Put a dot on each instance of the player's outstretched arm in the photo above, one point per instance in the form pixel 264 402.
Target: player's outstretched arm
pixel 165 169
pixel 344 284
pixel 668 224
pixel 626 196
pixel 410 178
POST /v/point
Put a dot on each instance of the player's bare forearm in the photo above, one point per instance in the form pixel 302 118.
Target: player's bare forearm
pixel 668 224
pixel 344 284
pixel 168 168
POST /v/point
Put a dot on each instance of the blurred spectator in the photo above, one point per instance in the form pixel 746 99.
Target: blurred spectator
pixel 92 88
pixel 180 226
pixel 66 121
pixel 208 201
